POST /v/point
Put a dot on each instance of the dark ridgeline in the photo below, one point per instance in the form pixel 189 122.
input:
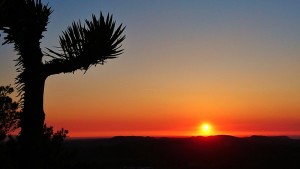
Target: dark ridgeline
pixel 213 152
pixel 81 46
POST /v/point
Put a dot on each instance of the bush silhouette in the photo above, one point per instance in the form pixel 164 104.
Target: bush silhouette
pixel 52 153
pixel 9 115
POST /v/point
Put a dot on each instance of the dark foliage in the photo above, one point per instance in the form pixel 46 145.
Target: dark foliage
pixel 87 45
pixel 9 115
pixel 53 153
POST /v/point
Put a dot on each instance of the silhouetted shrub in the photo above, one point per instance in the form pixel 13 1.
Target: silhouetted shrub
pixel 9 115
pixel 53 152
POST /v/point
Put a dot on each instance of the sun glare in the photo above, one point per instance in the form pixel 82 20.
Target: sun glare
pixel 206 129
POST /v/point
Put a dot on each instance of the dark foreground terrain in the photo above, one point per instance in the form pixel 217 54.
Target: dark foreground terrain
pixel 214 152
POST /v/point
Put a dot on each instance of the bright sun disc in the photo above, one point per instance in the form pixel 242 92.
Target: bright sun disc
pixel 206 129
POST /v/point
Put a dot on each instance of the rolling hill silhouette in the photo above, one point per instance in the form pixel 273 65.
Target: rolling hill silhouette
pixel 213 152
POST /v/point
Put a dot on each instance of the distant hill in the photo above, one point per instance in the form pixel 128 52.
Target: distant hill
pixel 213 152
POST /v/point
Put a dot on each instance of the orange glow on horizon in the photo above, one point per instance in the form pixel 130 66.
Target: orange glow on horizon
pixel 108 127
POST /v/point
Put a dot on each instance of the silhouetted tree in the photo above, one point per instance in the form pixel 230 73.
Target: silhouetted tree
pixel 9 115
pixel 81 46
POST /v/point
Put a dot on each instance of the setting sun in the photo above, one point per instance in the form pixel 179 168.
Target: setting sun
pixel 206 129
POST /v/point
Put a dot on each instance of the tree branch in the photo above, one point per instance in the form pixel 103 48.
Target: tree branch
pixel 57 66
pixel 85 45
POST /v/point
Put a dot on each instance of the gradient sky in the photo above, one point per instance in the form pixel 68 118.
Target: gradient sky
pixel 233 64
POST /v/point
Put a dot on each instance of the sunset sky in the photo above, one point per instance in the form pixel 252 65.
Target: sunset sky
pixel 234 64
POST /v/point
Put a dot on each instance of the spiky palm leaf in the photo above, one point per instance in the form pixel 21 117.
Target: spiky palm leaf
pixel 22 19
pixel 85 45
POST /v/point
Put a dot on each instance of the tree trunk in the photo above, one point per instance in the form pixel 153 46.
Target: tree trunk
pixel 32 122
pixel 33 116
